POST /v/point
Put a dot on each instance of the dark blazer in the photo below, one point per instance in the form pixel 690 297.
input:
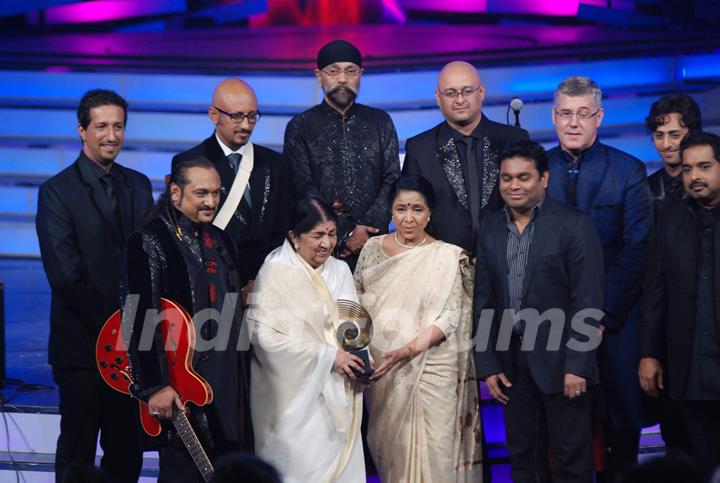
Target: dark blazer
pixel 428 155
pixel 667 325
pixel 258 231
pixel 158 263
pixel 81 246
pixel 564 271
pixel 612 188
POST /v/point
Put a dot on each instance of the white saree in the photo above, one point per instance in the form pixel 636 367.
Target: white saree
pixel 424 422
pixel 306 417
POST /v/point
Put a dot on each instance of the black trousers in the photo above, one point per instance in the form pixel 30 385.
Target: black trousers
pixel 672 427
pixel 177 466
pixel 534 419
pixel 702 421
pixel 89 406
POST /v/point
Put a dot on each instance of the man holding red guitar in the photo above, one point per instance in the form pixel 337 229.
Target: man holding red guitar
pixel 181 257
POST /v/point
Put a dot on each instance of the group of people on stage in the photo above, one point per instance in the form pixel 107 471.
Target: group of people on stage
pixel 568 281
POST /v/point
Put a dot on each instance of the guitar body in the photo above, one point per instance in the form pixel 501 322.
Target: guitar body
pixel 178 333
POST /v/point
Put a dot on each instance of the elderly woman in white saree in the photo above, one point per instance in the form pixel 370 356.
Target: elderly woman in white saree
pixel 306 405
pixel 424 423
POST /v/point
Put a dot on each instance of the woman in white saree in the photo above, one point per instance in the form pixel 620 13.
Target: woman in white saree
pixel 306 404
pixel 424 423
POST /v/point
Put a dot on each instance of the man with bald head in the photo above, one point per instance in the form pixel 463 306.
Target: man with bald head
pixel 256 193
pixel 459 156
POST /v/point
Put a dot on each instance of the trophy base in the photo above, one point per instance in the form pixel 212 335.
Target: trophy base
pixel 367 371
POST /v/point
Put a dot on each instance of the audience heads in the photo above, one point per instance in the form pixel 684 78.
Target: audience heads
pixel 413 183
pixel 577 113
pixel 102 116
pixel 700 153
pixel 339 68
pixel 244 468
pixel 78 472
pixel 664 469
pixel 234 112
pixel 460 95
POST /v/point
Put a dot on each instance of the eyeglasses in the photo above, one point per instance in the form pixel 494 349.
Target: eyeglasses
pixel 465 92
pixel 351 72
pixel 582 114
pixel 238 117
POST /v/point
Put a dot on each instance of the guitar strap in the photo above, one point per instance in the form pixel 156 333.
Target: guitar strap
pixel 237 189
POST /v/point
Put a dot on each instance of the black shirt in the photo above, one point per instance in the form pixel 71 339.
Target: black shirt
pixel 704 374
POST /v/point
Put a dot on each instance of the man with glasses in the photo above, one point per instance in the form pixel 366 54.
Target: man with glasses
pixel 459 156
pixel 345 152
pixel 256 191
pixel 611 186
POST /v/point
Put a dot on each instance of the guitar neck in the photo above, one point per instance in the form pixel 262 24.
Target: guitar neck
pixel 189 438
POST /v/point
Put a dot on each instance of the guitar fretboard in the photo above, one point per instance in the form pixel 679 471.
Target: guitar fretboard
pixel 189 438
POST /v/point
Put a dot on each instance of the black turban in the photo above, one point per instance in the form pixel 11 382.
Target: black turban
pixel 338 51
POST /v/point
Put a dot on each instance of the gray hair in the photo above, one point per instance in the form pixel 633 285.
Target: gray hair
pixel 577 85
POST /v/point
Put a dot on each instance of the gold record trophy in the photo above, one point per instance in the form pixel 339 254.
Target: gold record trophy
pixel 355 332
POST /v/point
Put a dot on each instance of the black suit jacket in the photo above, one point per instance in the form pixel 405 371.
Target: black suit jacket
pixel 426 155
pixel 272 196
pixel 667 324
pixel 81 246
pixel 564 271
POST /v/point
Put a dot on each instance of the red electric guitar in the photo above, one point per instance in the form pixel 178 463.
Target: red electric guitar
pixel 178 332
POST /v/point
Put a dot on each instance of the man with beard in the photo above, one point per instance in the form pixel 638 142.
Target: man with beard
pixel 257 194
pixel 538 256
pixel 670 119
pixel 179 255
pixel 344 152
pixel 680 327
pixel 85 214
pixel 460 155
pixel 610 186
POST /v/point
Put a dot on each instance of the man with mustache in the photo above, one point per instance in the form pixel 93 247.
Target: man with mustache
pixel 180 255
pixel 344 152
pixel 460 155
pixel 680 326
pixel 85 214
pixel 610 186
pixel 670 119
pixel 256 191
pixel 539 256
